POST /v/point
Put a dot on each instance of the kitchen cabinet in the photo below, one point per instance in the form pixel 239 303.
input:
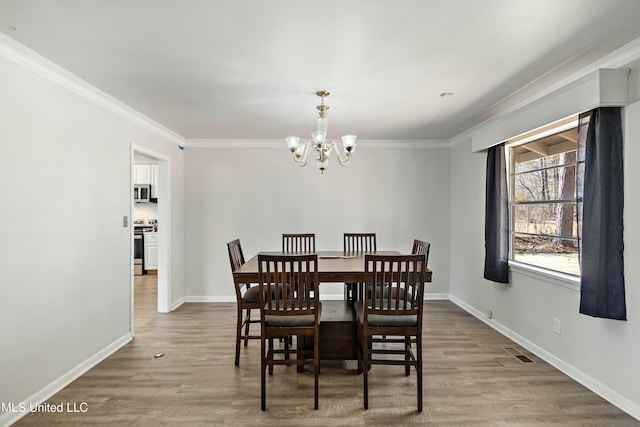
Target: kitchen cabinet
pixel 141 173
pixel 146 173
pixel 151 251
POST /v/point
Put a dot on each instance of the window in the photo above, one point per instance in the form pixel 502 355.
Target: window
pixel 543 202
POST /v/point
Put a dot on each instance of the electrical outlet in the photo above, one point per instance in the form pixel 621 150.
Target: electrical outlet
pixel 556 326
pixel 490 314
pixel 125 221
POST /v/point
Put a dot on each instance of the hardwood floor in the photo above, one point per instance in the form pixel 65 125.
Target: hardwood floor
pixel 472 377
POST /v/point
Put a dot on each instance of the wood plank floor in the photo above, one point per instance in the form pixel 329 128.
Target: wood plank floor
pixel 471 378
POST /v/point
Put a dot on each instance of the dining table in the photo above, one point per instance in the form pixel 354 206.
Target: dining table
pixel 338 335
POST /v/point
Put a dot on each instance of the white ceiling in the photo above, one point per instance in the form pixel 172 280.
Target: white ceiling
pixel 246 69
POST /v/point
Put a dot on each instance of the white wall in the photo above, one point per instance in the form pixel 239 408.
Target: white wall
pixel 65 257
pixel 256 194
pixel 602 354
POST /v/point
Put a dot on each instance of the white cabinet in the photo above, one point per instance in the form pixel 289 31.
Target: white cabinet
pixel 146 173
pixel 151 251
pixel 142 174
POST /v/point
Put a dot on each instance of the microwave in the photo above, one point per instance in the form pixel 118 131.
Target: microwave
pixel 142 193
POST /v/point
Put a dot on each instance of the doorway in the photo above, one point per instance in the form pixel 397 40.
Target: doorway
pixel 159 211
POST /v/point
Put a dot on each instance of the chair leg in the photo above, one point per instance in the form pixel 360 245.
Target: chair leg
pixel 286 347
pixel 359 346
pixel 238 330
pixel 407 355
pixel 419 369
pixel 270 356
pixel 316 367
pixel 246 327
pixel 263 379
pixel 365 367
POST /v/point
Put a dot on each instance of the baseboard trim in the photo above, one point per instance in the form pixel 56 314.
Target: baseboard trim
pixel 589 382
pixel 177 304
pixel 61 382
pixel 436 297
pixel 209 298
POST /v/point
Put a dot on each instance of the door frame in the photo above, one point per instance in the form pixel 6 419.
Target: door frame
pixel 164 228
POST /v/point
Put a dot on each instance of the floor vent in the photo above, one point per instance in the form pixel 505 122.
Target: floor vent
pixel 523 358
pixel 518 355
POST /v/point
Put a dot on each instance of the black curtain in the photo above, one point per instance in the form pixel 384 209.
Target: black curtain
pixel 601 245
pixel 496 230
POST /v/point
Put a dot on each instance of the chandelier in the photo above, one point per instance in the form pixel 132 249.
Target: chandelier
pixel 319 141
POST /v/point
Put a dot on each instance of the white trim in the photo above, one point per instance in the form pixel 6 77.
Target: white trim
pixel 460 138
pixel 589 382
pixel 545 275
pixel 196 298
pixel 437 297
pixel 602 87
pixel 616 59
pixel 132 282
pixel 64 380
pixel 164 232
pixel 177 304
pixel 544 133
pixel 280 144
pixel 20 54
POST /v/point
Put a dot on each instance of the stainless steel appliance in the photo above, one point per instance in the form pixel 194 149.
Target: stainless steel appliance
pixel 140 228
pixel 142 193
pixel 138 254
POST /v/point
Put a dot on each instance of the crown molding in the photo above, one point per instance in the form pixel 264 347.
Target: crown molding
pixel 601 88
pixel 460 138
pixel 22 55
pixel 621 57
pixel 279 143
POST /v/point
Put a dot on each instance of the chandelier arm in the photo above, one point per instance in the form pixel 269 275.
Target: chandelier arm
pixel 342 162
pixel 302 161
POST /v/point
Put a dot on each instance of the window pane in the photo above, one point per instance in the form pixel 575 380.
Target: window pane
pixel 553 219
pixel 544 204
pixel 557 183
pixel 544 162
pixel 554 254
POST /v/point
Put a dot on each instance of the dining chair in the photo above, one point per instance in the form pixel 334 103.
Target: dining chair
pixel 359 243
pixel 299 243
pixel 390 321
pixel 290 313
pixel 302 243
pixel 354 243
pixel 247 299
pixel 421 247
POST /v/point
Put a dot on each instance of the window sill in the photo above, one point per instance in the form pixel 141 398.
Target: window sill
pixel 566 280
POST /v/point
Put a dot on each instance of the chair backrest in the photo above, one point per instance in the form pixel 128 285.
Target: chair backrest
pixel 299 243
pixel 359 242
pixel 421 247
pixel 293 278
pixel 399 283
pixel 236 258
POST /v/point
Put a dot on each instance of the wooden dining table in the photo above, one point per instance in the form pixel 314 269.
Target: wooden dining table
pixel 338 338
pixel 333 267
